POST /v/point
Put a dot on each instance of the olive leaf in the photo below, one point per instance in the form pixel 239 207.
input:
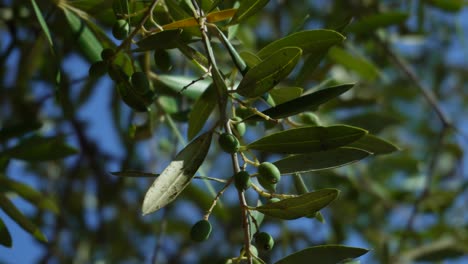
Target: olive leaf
pixel 166 39
pixel 247 9
pixel 303 205
pixel 10 209
pixel 201 110
pixel 303 103
pixel 5 237
pixel 324 254
pixel 321 160
pixel 177 175
pixel 313 42
pixel 374 145
pixel 308 139
pixel 270 72
pixel 370 23
pixel 45 148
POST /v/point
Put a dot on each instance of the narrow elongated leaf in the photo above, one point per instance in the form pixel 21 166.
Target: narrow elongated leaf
pixel 194 56
pixel 177 175
pixel 314 42
pixel 166 39
pixel 308 139
pixel 447 5
pixel 42 22
pixel 284 94
pixel 247 9
pixel 326 254
pixel 177 82
pixel 270 72
pixel 201 110
pixel 370 23
pixel 10 209
pixel 86 40
pixel 322 160
pixel 304 103
pixel 374 122
pixel 29 194
pixel 374 145
pixel 192 22
pixel 236 58
pixel 41 149
pixel 250 59
pixel 5 237
pixel 303 205
pixel 19 129
pixel 360 65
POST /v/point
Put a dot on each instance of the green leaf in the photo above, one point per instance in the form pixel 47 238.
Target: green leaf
pixel 247 9
pixel 304 103
pixel 19 129
pixel 42 22
pixel 30 194
pixel 360 65
pixel 177 82
pixel 308 139
pixel 442 254
pixel 38 148
pixel 255 217
pixel 177 175
pixel 322 160
pixel 5 237
pixel 85 38
pixel 133 174
pixel 374 145
pixel 10 209
pixel 283 94
pixel 194 56
pixel 120 8
pixel 447 5
pixel 166 39
pixel 372 121
pixel 235 56
pixel 300 206
pixel 270 72
pixel 326 254
pixel 369 24
pixel 250 59
pixel 313 42
pixel 201 110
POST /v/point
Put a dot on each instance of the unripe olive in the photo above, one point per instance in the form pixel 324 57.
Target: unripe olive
pixel 140 82
pixel 200 231
pixel 271 187
pixel 240 126
pixel 310 119
pixel 253 251
pixel 162 60
pixel 264 241
pixel 269 172
pixel 228 143
pixel 97 69
pixel 242 180
pixel 107 54
pixel 121 29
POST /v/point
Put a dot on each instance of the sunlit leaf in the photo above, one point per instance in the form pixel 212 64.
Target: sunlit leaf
pixel 201 110
pixel 40 149
pixel 247 9
pixel 321 160
pixel 360 65
pixel 283 94
pixel 374 145
pixel 313 42
pixel 300 206
pixel 326 254
pixel 177 82
pixel 5 237
pixel 177 175
pixel 85 38
pixel 269 72
pixel 42 22
pixel 308 139
pixel 304 103
pixel 10 209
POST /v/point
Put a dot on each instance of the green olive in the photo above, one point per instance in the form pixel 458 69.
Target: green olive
pixel 228 143
pixel 269 172
pixel 97 69
pixel 121 29
pixel 239 126
pixel 264 241
pixel 242 180
pixel 310 119
pixel 271 187
pixel 162 60
pixel 253 251
pixel 140 82
pixel 200 231
pixel 107 54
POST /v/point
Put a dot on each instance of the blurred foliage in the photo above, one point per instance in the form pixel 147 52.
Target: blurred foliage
pixel 62 130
